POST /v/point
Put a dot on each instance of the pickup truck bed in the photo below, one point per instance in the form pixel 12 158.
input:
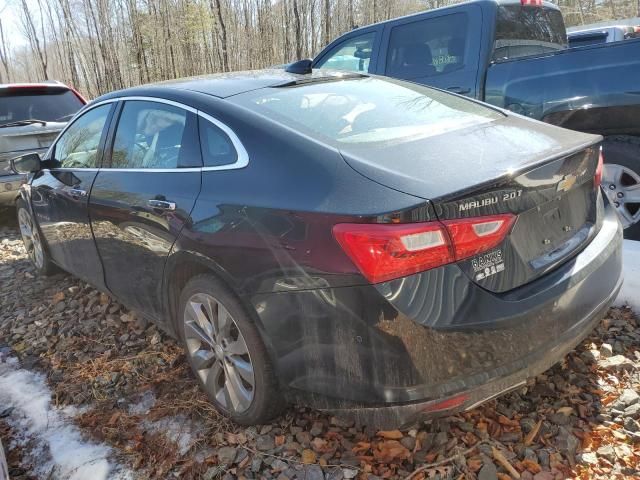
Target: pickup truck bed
pixel 592 89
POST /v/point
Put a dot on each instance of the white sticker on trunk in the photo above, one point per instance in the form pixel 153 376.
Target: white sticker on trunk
pixel 488 264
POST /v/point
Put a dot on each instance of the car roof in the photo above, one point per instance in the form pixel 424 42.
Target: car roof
pixel 45 84
pixel 224 85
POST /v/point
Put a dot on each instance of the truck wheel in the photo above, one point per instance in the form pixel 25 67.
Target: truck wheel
pixel 621 181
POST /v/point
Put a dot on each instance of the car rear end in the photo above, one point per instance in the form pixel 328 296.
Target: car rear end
pixel 31 117
pixel 510 259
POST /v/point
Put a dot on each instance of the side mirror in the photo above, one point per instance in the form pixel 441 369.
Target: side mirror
pixel 300 67
pixel 29 163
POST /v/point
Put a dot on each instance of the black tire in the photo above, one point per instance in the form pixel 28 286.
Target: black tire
pixel 267 402
pixel 624 151
pixel 41 261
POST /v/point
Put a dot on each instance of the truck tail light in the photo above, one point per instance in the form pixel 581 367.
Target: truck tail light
pixel 383 252
pixel 597 178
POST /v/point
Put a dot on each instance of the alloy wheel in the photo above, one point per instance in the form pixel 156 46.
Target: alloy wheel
pixel 622 186
pixel 218 353
pixel 31 238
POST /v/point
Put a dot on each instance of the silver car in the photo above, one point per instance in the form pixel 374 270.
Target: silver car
pixel 4 469
pixel 31 117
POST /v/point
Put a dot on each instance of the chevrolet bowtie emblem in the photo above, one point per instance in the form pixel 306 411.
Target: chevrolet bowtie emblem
pixel 566 183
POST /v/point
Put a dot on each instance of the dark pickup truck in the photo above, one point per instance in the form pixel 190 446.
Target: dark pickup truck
pixel 514 55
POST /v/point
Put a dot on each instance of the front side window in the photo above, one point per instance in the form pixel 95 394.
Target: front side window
pixel 78 146
pixel 352 55
pixel 149 135
pixel 427 47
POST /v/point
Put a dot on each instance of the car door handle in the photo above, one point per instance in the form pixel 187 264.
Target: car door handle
pixel 77 193
pixel 162 204
pixel 459 90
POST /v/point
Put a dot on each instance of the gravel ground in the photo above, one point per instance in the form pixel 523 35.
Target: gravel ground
pixel 125 386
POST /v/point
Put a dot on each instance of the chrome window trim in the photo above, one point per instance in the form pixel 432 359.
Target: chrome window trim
pixel 241 162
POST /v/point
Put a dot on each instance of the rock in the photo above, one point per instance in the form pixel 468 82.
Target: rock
pixel 589 458
pixel 316 429
pixel 629 397
pixel 265 442
pixel 303 438
pixel 409 443
pixel 256 463
pixel 633 411
pixel 441 439
pixel 226 455
pixel 607 452
pixel 544 476
pixel 631 425
pixel 313 472
pixel 349 473
pixel 488 471
pixel 606 350
pixel 335 474
pixel 617 362
pixel 567 443
pixel 241 455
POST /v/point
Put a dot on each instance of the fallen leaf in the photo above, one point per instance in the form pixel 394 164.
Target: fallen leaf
pixel 528 440
pixel 308 456
pixel 532 466
pixel 501 459
pixel 390 434
pixel 57 298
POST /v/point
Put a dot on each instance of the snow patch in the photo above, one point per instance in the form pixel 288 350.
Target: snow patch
pixel 630 292
pixel 53 440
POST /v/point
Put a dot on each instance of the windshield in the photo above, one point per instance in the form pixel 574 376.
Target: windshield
pixel 368 110
pixel 45 104
pixel 523 31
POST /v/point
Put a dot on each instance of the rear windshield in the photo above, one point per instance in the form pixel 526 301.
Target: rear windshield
pixel 48 105
pixel 522 31
pixel 368 110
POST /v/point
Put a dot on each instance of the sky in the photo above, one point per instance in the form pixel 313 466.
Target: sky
pixel 9 13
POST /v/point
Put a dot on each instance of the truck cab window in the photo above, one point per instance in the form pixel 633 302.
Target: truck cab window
pixel 427 47
pixel 353 54
pixel 522 31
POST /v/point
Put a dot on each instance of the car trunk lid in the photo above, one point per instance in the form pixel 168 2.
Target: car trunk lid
pixel 541 174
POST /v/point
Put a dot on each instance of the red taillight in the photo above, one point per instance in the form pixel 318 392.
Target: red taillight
pixel 531 3
pixel 383 252
pixel 472 236
pixel 597 178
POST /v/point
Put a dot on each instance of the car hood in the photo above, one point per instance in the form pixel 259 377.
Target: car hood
pixel 448 163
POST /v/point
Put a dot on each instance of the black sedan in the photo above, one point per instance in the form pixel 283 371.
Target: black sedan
pixel 348 242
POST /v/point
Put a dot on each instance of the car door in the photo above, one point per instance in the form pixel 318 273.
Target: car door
pixel 143 197
pixel 441 50
pixel 60 194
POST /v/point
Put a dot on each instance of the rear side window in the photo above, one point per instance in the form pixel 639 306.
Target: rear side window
pixel 523 31
pixel 427 47
pixel 217 148
pixel 46 104
pixel 353 54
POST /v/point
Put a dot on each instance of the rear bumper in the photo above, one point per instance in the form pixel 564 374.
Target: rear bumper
pixel 10 188
pixel 386 353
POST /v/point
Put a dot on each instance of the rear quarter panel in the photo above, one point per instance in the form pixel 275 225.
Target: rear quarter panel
pixel 593 89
